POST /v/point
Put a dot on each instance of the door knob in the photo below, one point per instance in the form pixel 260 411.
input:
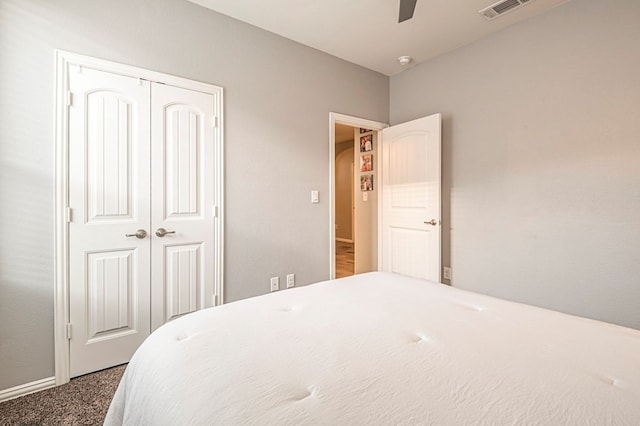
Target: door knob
pixel 161 232
pixel 140 233
pixel 431 222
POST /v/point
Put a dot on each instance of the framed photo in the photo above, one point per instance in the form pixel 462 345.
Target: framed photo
pixel 366 163
pixel 366 143
pixel 366 183
pixel 364 130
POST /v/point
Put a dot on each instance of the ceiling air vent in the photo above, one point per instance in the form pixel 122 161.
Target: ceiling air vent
pixel 502 7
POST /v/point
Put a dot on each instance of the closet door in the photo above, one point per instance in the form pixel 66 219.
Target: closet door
pixel 109 250
pixel 183 212
pixel 143 231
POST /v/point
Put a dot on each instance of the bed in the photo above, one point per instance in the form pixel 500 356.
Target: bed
pixel 378 349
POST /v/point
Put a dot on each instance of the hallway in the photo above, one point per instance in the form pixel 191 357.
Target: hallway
pixel 344 259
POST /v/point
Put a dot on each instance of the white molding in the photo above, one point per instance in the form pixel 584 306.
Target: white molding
pixel 27 388
pixel 61 274
pixel 135 72
pixel 61 194
pixel 336 118
pixel 219 189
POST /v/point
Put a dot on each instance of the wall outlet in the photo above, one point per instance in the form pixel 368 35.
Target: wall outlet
pixel 275 283
pixel 447 272
pixel 291 280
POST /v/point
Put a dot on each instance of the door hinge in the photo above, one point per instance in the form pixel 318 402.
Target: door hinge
pixel 215 211
pixel 69 215
pixel 67 331
pixel 215 122
pixel 69 98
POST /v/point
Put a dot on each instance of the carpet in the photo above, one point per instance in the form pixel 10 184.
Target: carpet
pixel 82 401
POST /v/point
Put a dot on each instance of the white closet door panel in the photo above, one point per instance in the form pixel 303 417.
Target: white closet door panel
pixel 109 197
pixel 182 201
pixel 111 286
pixel 182 150
pixel 182 279
pixel 109 139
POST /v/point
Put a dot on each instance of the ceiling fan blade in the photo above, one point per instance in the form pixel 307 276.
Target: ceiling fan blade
pixel 406 10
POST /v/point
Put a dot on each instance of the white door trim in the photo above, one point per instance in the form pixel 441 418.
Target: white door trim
pixel 61 193
pixel 336 118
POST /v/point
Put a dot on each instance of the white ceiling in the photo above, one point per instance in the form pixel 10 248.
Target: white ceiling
pixel 367 33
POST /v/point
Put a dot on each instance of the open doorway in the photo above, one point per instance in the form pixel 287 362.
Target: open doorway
pixel 344 205
pixel 354 195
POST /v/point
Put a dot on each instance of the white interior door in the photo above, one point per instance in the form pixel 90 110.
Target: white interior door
pixel 183 211
pixel 108 198
pixel 411 186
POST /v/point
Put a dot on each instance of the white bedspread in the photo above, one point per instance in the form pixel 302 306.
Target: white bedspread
pixel 381 349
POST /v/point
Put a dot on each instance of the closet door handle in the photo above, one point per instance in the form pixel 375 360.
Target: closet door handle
pixel 161 232
pixel 140 233
pixel 432 222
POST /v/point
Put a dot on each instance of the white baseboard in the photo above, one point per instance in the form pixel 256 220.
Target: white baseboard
pixel 27 388
pixel 344 240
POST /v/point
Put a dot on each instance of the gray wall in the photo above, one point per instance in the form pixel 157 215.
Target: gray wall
pixel 278 95
pixel 541 158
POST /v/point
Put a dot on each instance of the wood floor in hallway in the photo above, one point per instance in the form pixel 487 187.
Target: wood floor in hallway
pixel 344 259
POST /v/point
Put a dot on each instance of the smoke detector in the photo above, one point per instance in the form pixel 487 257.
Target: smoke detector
pixel 498 9
pixel 404 60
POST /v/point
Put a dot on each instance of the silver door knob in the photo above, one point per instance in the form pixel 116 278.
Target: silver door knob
pixel 161 232
pixel 140 233
pixel 431 222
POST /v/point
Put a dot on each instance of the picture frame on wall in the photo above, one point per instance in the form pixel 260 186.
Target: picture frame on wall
pixel 366 163
pixel 366 143
pixel 366 183
pixel 362 130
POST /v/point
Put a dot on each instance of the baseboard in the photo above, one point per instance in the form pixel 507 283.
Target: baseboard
pixel 27 388
pixel 344 240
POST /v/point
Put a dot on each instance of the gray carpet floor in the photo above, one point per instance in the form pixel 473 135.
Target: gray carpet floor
pixel 82 401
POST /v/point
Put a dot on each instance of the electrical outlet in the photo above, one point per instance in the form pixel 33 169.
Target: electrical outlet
pixel 275 283
pixel 447 272
pixel 291 280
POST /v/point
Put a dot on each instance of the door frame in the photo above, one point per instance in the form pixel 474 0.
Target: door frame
pixel 337 118
pixel 62 100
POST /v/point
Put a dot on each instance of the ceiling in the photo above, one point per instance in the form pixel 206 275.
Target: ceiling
pixel 367 33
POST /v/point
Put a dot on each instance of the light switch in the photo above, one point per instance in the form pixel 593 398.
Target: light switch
pixel 365 196
pixel 314 196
